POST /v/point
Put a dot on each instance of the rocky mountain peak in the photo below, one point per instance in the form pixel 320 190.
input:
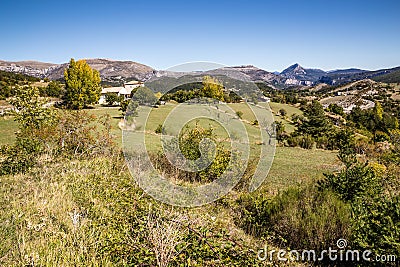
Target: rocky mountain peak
pixel 294 69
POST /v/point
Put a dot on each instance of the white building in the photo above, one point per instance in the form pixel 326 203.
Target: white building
pixel 125 91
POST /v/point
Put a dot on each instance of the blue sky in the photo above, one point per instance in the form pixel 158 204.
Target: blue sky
pixel 268 34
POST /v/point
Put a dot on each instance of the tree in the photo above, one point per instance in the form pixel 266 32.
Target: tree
pixel 283 112
pixel 335 108
pixel 30 111
pixel 279 130
pixel 82 85
pixel 212 88
pixel 112 98
pixel 32 116
pixel 145 96
pixel 316 123
pixel 54 89
pixel 378 111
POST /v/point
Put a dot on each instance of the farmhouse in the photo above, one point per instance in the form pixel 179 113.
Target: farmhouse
pixel 125 90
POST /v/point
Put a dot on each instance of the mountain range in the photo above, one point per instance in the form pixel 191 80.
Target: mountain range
pixel 113 71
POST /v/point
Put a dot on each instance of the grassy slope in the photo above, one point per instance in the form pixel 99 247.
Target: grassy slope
pixel 37 208
pixel 290 166
pixel 7 129
pixel 275 107
pixel 293 165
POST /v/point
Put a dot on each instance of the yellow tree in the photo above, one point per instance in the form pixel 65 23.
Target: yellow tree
pixel 82 85
pixel 212 88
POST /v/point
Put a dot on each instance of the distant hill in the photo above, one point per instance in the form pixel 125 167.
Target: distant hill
pixel 260 75
pixel 351 75
pixel 345 71
pixel 393 77
pixel 295 76
pixel 110 70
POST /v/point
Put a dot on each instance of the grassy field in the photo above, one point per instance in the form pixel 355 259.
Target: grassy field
pixel 8 127
pixel 275 107
pixel 291 165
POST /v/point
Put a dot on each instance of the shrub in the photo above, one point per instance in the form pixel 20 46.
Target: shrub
pixel 20 157
pixel 74 134
pixel 159 129
pixel 322 142
pixel 381 136
pixel 374 200
pixel 355 182
pixel 293 141
pixel 112 98
pixel 189 142
pixel 306 141
pixel 239 114
pixel 298 218
pixel 376 224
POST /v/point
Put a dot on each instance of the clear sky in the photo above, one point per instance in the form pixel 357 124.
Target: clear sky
pixel 268 34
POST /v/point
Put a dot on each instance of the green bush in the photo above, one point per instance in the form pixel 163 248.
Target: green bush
pixel 159 129
pixel 298 218
pixel 20 157
pixel 381 137
pixel 322 142
pixel 306 141
pixel 376 224
pixel 355 182
pixel 45 134
pixel 239 114
pixel 189 142
pixel 293 141
pixel 373 198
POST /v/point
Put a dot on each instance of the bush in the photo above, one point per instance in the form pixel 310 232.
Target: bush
pixel 293 141
pixel 306 141
pixel 189 142
pixel 74 134
pixel 381 137
pixel 113 98
pixel 322 142
pixel 354 182
pixel 239 114
pixel 376 225
pixel 374 200
pixel 298 218
pixel 159 129
pixel 20 157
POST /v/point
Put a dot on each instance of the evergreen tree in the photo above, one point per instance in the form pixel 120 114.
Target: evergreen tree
pixel 315 122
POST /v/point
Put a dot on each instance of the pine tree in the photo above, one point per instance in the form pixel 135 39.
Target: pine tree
pixel 315 123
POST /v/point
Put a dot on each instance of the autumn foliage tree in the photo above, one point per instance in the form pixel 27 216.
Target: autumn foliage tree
pixel 212 88
pixel 82 85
